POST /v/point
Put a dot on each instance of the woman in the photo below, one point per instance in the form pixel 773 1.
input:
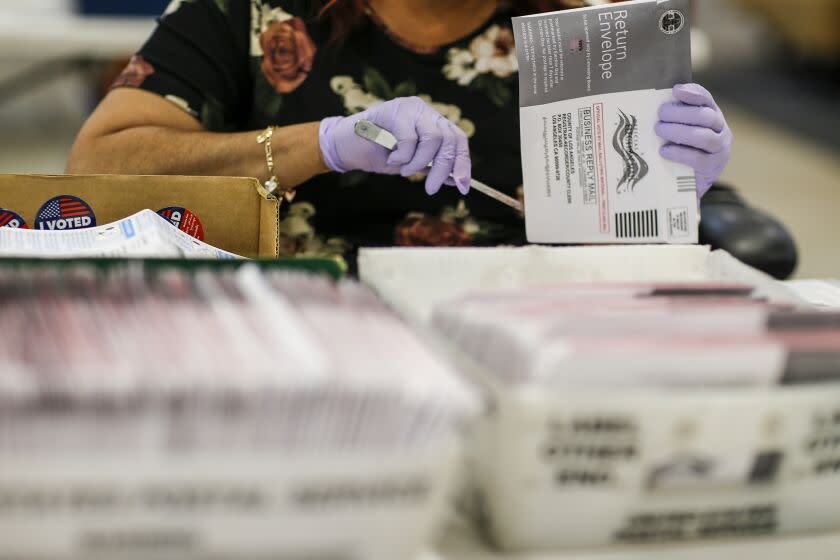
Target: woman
pixel 440 75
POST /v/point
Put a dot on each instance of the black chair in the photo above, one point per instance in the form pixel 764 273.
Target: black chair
pixel 749 234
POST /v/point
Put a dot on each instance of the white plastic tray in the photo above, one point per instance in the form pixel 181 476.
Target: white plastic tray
pixel 571 471
pixel 414 281
pixel 461 544
pixel 329 506
pixel 702 465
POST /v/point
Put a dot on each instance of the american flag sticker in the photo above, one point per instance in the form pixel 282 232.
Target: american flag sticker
pixel 183 219
pixel 65 212
pixel 11 219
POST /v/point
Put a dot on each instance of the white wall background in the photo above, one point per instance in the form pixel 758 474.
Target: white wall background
pixel 35 6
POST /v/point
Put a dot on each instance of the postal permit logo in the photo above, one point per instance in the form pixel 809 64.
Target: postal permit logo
pixel 65 213
pixel 672 22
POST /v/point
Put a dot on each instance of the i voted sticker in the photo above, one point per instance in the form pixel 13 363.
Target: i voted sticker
pixel 11 219
pixel 184 220
pixel 63 213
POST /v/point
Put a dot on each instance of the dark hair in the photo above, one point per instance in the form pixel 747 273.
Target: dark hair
pixel 345 16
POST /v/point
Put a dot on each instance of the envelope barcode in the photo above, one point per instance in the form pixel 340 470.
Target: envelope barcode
pixel 637 225
pixel 686 184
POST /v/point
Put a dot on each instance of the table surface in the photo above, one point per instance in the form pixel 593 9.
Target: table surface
pixel 461 544
pixel 29 37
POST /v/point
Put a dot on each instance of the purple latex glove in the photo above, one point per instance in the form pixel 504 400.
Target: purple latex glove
pixel 424 136
pixel 697 134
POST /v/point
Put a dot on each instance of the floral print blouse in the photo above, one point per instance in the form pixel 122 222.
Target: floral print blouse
pixel 246 64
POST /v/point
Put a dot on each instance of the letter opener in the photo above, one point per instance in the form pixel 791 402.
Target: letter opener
pixel 380 136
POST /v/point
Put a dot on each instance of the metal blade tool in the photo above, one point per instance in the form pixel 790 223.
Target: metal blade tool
pixel 382 137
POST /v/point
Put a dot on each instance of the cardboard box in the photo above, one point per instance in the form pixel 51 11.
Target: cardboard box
pixel 234 214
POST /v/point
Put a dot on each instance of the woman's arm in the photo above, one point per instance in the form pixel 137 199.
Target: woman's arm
pixel 135 132
pixel 140 133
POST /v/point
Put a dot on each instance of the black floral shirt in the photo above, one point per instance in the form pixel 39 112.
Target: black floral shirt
pixel 247 64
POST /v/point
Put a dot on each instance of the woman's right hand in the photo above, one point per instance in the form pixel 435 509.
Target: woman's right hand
pixel 424 137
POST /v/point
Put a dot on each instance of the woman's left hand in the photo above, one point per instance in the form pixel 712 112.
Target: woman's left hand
pixel 697 134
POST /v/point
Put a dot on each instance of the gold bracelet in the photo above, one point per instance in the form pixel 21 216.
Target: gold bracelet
pixel 272 183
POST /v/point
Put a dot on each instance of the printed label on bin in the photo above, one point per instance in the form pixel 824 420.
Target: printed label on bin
pixel 184 220
pixel 11 219
pixel 63 213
